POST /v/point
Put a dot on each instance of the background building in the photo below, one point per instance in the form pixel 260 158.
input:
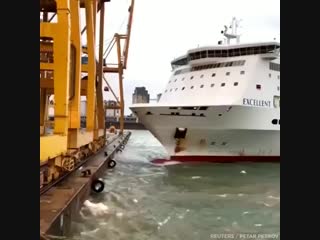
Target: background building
pixel 112 112
pixel 140 95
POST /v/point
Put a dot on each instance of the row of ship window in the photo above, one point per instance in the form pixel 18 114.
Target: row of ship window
pixel 233 52
pixel 258 86
pixel 213 75
pixel 209 66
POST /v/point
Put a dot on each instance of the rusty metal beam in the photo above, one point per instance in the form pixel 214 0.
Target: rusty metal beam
pixel 109 48
pixel 110 69
pixel 45 16
pixel 101 116
pixel 126 48
pixel 48 83
pixel 120 85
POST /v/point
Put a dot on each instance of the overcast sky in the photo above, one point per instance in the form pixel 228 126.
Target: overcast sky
pixel 165 29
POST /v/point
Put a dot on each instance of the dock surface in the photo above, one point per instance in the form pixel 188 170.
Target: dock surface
pixel 62 202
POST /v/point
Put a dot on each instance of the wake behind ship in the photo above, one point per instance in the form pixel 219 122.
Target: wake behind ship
pixel 221 104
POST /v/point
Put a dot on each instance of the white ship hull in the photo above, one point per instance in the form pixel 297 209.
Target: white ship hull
pixel 221 135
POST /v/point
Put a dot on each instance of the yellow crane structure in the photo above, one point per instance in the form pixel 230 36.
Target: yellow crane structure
pixel 61 75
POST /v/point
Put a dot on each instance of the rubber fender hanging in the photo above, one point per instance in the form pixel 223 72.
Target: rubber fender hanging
pixel 97 185
pixel 112 164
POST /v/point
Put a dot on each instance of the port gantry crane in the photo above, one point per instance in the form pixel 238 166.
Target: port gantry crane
pixel 61 75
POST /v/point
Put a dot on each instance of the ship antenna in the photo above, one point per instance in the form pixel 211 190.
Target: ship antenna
pixel 234 26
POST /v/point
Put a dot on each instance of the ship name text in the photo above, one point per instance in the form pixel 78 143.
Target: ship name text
pixel 256 102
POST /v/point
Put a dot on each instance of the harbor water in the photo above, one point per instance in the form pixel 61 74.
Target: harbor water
pixel 181 202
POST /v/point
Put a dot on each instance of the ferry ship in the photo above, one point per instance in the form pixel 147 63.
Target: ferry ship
pixel 221 103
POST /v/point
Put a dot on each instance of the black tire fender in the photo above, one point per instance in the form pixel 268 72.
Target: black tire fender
pixel 97 185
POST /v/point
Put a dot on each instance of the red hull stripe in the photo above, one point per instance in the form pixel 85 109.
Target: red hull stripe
pixel 219 159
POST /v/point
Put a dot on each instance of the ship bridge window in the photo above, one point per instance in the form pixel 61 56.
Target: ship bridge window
pixel 218 53
pixel 148 113
pixel 173 108
pixel 189 108
pixel 233 52
pixel 274 66
pixel 256 50
pixel 209 66
pixel 224 53
pixel 179 62
pixel 243 51
pixel 203 54
pixel 203 108
pixel 195 55
pixel 237 52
